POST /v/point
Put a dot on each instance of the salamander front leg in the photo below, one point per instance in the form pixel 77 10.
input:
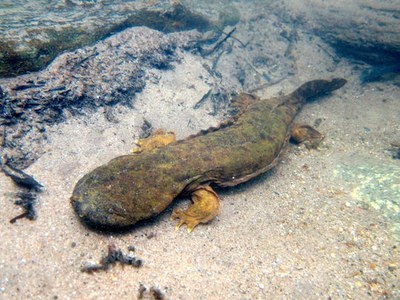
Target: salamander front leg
pixel 205 207
pixel 159 138
pixel 307 135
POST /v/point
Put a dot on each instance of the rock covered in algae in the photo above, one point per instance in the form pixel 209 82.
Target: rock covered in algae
pixel 33 33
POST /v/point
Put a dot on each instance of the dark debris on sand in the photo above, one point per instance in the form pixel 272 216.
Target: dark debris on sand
pixel 27 201
pixel 113 256
pixel 30 185
pixel 150 293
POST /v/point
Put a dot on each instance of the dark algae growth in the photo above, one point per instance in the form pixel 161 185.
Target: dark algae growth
pixel 135 187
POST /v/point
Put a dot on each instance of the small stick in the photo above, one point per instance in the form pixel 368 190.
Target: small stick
pixel 268 84
pixel 236 39
pixel 217 45
pixel 202 100
pixel 2 138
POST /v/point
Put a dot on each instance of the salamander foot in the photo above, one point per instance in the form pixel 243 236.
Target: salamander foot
pixel 205 207
pixel 159 138
pixel 307 135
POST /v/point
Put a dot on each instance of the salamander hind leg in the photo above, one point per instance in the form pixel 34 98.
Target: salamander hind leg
pixel 307 135
pixel 205 207
pixel 157 139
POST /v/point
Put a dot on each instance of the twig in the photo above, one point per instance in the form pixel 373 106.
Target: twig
pixel 234 38
pixel 202 100
pixel 2 139
pixel 268 84
pixel 217 45
pixel 254 68
pixel 215 62
pixel 22 87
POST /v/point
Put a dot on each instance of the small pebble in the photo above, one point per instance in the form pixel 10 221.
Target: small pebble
pixel 358 284
pixel 392 267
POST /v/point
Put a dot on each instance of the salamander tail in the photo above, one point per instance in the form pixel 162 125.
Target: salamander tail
pixel 316 88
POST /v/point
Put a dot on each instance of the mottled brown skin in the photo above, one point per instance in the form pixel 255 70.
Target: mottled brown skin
pixel 132 188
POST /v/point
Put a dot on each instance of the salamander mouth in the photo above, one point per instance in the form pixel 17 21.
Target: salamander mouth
pixel 103 218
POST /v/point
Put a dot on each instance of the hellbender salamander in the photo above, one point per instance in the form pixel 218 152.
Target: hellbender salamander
pixel 138 186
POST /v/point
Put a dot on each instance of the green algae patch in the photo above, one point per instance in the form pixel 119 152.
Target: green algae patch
pixel 377 186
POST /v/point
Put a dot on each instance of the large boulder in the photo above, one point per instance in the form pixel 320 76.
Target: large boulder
pixel 365 30
pixel 33 33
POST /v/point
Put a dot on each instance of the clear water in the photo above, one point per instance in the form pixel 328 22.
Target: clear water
pixel 82 80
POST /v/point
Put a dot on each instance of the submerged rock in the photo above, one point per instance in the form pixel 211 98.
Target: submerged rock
pixel 33 33
pixel 369 31
pixel 109 72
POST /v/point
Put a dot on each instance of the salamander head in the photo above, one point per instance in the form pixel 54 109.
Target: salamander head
pixel 110 198
pixel 105 200
pixel 97 211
